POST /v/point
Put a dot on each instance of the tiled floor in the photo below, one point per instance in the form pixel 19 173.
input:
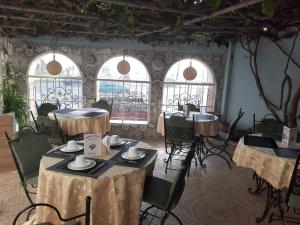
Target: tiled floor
pixel 215 195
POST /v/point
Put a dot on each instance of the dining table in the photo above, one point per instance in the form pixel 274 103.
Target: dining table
pixel 82 120
pixel 205 124
pixel 273 167
pixel 116 189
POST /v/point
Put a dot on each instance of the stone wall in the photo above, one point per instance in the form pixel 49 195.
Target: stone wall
pixel 90 60
pixel 5 50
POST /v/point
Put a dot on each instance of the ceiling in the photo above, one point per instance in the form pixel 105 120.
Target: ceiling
pixel 151 21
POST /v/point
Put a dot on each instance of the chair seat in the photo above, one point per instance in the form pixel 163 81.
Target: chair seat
pixel 156 192
pixel 32 178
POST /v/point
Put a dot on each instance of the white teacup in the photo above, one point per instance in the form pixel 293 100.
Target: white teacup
pixel 80 161
pixel 114 139
pixel 132 152
pixel 71 145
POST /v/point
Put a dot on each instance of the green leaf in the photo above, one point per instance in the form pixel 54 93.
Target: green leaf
pixel 268 7
pixel 214 3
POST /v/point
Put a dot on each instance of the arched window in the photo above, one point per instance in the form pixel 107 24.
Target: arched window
pixel 201 91
pixel 130 92
pixel 44 87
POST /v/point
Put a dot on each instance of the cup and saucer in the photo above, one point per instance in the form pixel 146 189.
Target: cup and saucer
pixel 133 154
pixel 81 163
pixel 72 146
pixel 115 141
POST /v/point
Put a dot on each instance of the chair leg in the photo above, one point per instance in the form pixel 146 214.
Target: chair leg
pixel 145 212
pixel 164 218
pixel 176 217
pixel 27 194
pixel 29 213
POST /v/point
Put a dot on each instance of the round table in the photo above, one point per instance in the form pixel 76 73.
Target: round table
pixel 116 194
pixel 206 124
pixel 82 121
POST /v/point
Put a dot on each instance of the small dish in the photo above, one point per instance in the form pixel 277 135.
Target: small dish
pixel 139 156
pixel 121 142
pixel 90 164
pixel 77 149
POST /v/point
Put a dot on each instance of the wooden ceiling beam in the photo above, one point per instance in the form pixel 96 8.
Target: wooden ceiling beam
pixel 209 16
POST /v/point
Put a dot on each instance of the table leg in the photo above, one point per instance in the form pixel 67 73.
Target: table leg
pixel 200 150
pixel 260 185
pixel 274 200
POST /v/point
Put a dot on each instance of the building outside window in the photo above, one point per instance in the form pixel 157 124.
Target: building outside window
pixel 130 92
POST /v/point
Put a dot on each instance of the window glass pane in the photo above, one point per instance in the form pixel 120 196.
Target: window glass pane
pixel 43 87
pixel 130 93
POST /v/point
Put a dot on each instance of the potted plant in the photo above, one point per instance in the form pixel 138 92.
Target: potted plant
pixel 13 100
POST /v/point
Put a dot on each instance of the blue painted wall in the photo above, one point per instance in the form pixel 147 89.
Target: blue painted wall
pixel 243 90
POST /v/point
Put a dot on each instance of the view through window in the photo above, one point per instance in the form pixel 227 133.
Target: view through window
pixel 200 91
pixel 44 87
pixel 130 92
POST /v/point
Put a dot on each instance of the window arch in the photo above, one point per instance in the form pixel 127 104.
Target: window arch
pixel 201 91
pixel 44 87
pixel 129 92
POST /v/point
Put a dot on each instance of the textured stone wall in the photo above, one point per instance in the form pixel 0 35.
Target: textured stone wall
pixel 5 50
pixel 90 60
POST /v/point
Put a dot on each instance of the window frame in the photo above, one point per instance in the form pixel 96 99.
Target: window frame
pixel 123 81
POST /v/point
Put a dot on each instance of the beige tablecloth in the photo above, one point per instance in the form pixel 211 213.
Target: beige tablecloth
pixel 205 124
pixel 275 170
pixel 116 194
pixel 81 124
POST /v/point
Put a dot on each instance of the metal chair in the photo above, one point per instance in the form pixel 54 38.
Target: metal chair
pixel 27 148
pixel 45 108
pixel 220 149
pixel 179 135
pixel 86 214
pixel 103 104
pixel 51 129
pixel 163 194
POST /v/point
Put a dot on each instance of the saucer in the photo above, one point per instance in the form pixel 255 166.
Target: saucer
pixel 121 142
pixel 77 149
pixel 139 156
pixel 90 164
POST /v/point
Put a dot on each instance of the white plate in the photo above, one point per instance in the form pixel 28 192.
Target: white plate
pixel 139 156
pixel 90 164
pixel 117 144
pixel 77 149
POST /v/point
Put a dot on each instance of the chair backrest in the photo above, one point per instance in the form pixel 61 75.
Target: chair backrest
pixel 45 108
pixel 86 214
pixel 178 183
pixel 268 125
pixel 233 124
pixel 178 129
pixel 27 148
pixel 103 104
pixel 293 193
pixel 52 129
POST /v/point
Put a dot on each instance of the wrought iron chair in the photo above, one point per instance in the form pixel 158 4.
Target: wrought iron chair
pixel 292 198
pixel 27 148
pixel 45 108
pixel 220 149
pixel 86 214
pixel 163 194
pixel 268 125
pixel 192 107
pixel 103 104
pixel 179 135
pixel 51 129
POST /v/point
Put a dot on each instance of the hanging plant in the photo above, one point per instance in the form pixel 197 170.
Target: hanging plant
pixel 214 3
pixel 268 7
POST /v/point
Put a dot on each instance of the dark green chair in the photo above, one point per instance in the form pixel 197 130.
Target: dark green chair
pixel 86 214
pixel 191 107
pixel 165 195
pixel 45 108
pixel 268 125
pixel 179 135
pixel 220 149
pixel 103 104
pixel 51 128
pixel 27 148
